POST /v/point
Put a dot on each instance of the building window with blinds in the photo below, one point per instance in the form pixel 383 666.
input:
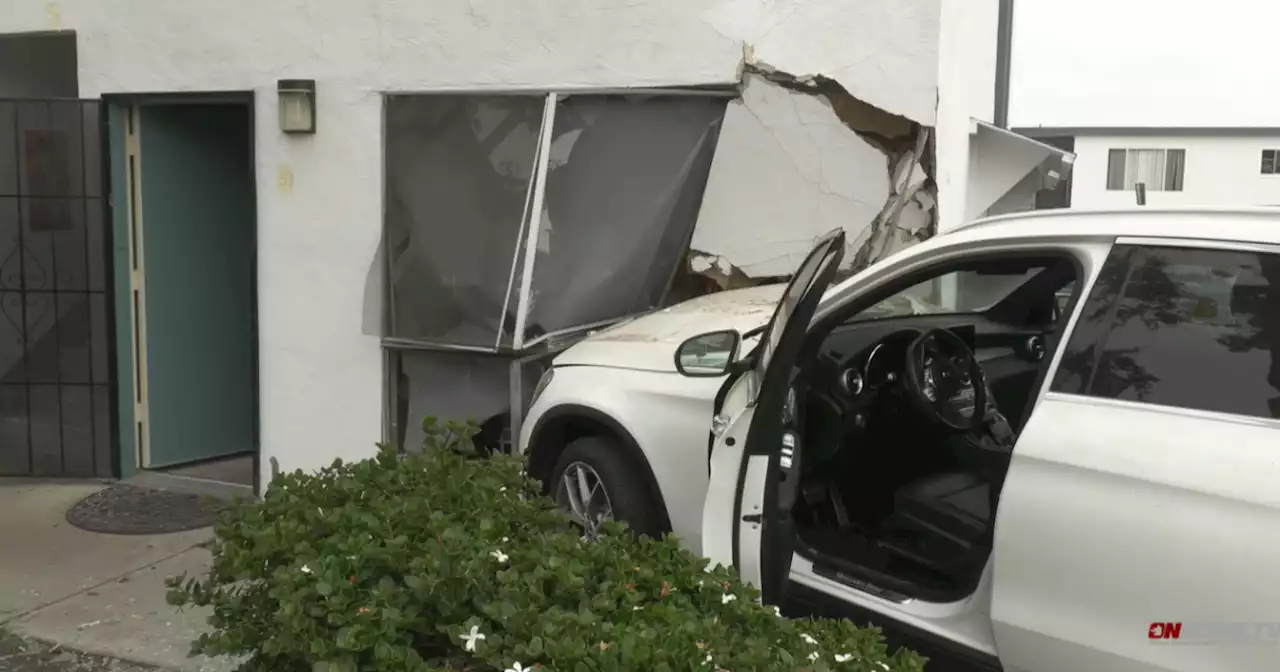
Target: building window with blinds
pixel 1271 162
pixel 1159 169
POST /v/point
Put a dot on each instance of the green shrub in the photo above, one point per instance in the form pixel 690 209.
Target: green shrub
pixel 393 563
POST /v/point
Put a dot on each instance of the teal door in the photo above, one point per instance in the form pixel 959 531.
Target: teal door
pixel 196 319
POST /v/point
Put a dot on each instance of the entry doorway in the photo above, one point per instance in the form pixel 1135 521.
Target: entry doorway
pixel 186 305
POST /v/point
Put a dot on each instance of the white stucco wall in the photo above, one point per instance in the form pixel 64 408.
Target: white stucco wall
pixel 1219 171
pixel 966 89
pixel 321 376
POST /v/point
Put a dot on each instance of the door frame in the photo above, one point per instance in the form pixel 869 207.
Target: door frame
pixel 129 272
pixel 760 543
pixel 826 590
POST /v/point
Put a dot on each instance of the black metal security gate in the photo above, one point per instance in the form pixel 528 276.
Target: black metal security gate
pixel 56 343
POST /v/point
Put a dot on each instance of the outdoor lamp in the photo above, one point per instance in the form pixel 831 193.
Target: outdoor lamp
pixel 297 105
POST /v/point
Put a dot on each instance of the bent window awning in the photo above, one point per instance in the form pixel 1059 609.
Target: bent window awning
pixel 1000 160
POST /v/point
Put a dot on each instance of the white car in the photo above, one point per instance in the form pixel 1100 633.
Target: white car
pixel 1017 483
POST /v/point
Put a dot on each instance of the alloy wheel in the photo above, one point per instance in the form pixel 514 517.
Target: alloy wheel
pixel 582 495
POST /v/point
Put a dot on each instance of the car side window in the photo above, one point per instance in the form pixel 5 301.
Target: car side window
pixel 1182 327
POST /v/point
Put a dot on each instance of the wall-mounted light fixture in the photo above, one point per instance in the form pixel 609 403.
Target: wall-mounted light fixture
pixel 297 105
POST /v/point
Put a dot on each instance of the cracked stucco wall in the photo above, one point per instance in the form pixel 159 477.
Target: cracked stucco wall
pixel 320 197
pixel 798 157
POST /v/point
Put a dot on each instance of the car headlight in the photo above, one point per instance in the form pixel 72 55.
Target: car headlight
pixel 542 384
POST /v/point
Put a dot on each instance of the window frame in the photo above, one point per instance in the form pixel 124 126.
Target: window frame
pixel 1127 245
pixel 527 239
pixel 521 352
pixel 1275 162
pixel 1170 181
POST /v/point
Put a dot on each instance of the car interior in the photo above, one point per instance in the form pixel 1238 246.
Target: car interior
pixel 909 414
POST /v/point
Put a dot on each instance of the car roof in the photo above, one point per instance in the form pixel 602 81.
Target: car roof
pixel 1240 224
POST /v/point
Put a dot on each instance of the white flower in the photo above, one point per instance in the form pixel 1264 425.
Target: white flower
pixel 808 640
pixel 708 661
pixel 777 612
pixel 499 556
pixel 469 639
pixel 813 656
pixel 502 489
pixel 636 608
pixel 883 665
pixel 727 598
pixel 306 569
pixel 504 540
pixel 844 657
pixel 516 667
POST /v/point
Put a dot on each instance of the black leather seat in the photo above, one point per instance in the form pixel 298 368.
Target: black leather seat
pixel 943 521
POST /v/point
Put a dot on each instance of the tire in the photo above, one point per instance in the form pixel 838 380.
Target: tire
pixel 628 494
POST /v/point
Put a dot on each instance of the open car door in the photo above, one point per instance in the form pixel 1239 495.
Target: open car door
pixel 755 460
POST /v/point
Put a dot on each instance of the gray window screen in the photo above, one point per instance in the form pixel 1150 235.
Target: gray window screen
pixel 624 183
pixel 458 170
pixel 624 186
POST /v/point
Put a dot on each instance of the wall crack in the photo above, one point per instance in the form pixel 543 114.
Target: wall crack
pixel 908 213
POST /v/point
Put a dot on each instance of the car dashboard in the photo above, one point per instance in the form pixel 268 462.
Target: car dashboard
pixel 867 356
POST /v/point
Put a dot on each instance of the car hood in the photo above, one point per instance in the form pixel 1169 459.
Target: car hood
pixel 649 342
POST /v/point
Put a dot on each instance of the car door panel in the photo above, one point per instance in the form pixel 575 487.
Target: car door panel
pixel 755 463
pixel 1117 514
pixel 1115 524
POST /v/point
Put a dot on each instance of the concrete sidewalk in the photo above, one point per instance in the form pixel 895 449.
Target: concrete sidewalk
pixel 95 593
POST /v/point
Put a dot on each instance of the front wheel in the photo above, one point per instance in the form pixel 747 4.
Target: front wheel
pixel 594 481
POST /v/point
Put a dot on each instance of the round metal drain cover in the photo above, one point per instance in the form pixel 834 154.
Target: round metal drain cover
pixel 128 509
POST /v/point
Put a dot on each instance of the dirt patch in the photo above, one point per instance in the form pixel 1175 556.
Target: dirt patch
pixel 18 654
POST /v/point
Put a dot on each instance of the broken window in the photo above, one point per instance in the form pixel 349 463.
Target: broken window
pixel 624 177
pixel 603 216
pixel 624 183
pixel 458 173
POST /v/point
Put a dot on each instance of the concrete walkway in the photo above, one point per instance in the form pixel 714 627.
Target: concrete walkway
pixel 95 593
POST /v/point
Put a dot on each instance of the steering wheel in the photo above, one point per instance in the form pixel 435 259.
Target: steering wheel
pixel 944 380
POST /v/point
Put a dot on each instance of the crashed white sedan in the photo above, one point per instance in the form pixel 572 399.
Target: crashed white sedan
pixel 1072 467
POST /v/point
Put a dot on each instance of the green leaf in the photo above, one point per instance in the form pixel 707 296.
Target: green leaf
pixel 417 534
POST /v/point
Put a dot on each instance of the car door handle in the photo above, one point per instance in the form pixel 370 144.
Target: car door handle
pixel 756 518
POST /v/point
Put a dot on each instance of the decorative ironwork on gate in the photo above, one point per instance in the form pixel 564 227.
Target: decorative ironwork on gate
pixel 56 344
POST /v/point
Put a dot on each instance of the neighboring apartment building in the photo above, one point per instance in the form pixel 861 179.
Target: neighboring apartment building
pixel 1179 166
pixel 281 232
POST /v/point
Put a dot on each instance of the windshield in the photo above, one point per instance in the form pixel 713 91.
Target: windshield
pixel 957 292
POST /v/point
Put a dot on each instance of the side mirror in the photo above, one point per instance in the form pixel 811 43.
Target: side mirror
pixel 708 355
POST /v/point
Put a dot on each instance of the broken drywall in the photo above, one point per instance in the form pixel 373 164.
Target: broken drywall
pixel 786 171
pixel 797 158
